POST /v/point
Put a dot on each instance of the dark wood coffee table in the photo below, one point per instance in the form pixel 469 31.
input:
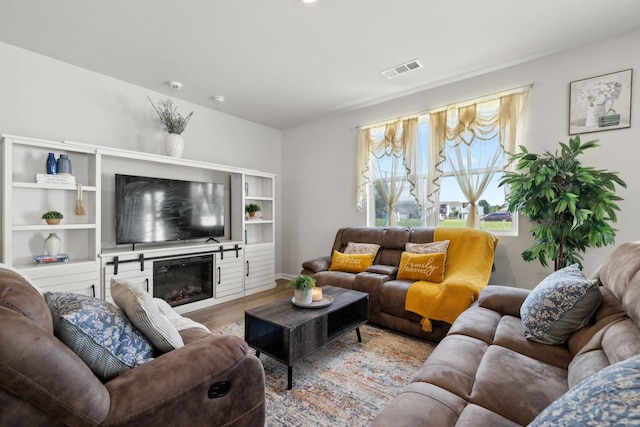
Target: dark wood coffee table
pixel 289 333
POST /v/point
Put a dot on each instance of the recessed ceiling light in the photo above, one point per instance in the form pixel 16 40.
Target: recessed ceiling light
pixel 175 85
pixel 308 1
pixel 218 98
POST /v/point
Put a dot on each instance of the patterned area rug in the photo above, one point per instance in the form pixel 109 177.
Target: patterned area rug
pixel 346 383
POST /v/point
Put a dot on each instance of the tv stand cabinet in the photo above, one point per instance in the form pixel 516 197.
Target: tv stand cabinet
pixel 138 268
pixel 89 240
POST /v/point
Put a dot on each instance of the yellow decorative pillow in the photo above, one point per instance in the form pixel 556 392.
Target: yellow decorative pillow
pixel 429 267
pixel 352 263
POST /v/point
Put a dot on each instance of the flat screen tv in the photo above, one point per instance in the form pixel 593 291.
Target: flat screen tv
pixel 151 210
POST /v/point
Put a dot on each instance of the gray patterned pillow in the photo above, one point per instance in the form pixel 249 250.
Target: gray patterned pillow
pixel 427 248
pixel 99 333
pixel 361 248
pixel 560 305
pixel 607 398
pixel 144 313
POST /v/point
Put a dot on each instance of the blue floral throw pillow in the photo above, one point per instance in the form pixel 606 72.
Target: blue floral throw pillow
pixel 560 305
pixel 99 333
pixel 607 398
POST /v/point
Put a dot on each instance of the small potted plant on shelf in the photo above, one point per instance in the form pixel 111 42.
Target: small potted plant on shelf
pixel 251 209
pixel 52 217
pixel 303 285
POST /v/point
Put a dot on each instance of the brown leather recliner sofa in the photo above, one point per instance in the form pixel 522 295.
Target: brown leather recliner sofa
pixel 387 294
pixel 486 373
pixel 44 383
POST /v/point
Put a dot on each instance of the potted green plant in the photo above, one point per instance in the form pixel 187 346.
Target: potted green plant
pixel 251 209
pixel 571 205
pixel 52 217
pixel 303 285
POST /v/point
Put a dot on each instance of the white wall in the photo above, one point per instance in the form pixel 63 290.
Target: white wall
pixel 319 158
pixel 315 162
pixel 44 98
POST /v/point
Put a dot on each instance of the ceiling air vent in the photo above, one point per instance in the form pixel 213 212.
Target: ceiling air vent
pixel 401 69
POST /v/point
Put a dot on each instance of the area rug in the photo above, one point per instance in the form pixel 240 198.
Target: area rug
pixel 346 383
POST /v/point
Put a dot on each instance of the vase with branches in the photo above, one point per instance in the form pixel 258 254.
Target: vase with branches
pixel 173 121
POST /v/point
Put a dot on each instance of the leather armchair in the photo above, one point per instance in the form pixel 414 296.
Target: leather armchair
pixel 212 380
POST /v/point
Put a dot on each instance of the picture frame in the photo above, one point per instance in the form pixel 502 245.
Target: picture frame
pixel 600 103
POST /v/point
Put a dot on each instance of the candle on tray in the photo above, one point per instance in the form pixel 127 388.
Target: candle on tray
pixel 316 294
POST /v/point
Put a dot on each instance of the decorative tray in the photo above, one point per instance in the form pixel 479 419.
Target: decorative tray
pixel 325 301
pixel 47 259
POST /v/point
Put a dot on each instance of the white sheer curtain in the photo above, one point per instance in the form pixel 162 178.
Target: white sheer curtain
pixel 473 172
pixel 390 180
pixel 396 161
pixel 501 117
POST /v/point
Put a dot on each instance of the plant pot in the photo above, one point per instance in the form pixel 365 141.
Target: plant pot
pixel 252 214
pixel 53 221
pixel 303 296
pixel 175 145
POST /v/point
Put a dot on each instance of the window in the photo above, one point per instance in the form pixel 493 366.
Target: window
pixel 450 175
pixel 472 170
pixel 394 201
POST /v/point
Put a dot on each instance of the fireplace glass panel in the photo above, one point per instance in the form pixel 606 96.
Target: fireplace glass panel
pixel 183 280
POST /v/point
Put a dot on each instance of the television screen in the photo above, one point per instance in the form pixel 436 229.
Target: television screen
pixel 159 210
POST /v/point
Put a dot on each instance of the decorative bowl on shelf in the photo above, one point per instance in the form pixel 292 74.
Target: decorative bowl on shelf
pixel 53 221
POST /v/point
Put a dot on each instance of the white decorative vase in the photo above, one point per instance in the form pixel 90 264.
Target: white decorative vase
pixel 593 112
pixel 52 244
pixel 175 145
pixel 303 297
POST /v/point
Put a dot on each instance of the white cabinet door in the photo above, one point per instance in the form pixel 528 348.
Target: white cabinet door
pixel 228 274
pixel 259 269
pixel 130 271
pixel 80 279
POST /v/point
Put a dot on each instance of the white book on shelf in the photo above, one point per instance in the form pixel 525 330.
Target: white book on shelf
pixel 44 178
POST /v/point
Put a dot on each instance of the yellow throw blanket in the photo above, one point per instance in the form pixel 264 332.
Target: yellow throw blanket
pixel 467 271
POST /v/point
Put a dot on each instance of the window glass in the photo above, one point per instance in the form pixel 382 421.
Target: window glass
pixel 473 163
pixel 491 205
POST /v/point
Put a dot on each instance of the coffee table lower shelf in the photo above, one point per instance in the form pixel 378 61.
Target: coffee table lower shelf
pixel 288 333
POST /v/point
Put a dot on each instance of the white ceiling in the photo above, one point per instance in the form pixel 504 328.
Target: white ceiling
pixel 283 63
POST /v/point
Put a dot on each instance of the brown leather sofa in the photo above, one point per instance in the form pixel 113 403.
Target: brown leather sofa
pixel 44 383
pixel 486 373
pixel 386 293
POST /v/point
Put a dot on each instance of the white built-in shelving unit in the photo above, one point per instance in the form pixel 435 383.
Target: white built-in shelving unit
pixel 90 266
pixel 259 231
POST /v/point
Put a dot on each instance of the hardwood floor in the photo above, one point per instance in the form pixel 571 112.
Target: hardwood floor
pixel 233 311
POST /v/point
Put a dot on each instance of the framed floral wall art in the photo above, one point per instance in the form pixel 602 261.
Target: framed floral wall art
pixel 600 103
